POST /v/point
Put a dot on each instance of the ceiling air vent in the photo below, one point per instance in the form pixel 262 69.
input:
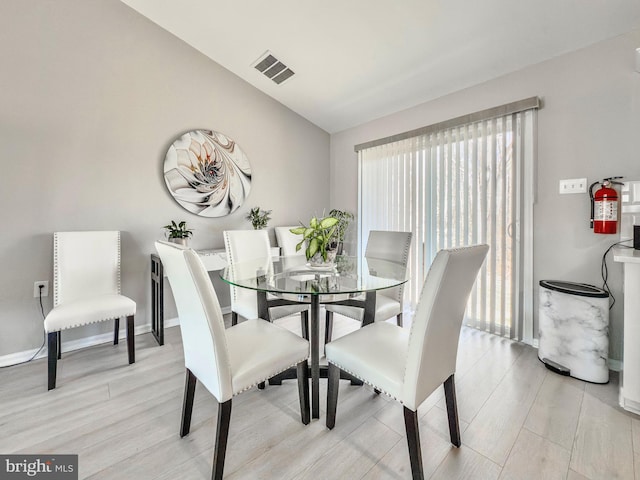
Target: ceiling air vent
pixel 273 68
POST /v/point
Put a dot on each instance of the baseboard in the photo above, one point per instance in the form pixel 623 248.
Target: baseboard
pixel 628 404
pixel 615 365
pixel 71 345
pixel 25 355
pixel 21 357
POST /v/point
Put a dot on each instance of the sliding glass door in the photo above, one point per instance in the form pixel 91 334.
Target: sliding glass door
pixel 461 185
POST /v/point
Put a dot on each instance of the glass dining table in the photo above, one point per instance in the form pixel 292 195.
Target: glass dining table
pixel 291 280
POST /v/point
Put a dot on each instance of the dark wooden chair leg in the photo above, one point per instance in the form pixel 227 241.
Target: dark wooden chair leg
pixel 332 395
pixel 187 402
pixel 356 382
pixel 52 345
pixel 304 323
pixel 59 340
pixel 399 319
pixel 116 331
pixel 289 374
pixel 328 327
pixel 452 410
pixel 303 391
pixel 131 340
pixel 234 318
pixel 413 440
pixel 222 434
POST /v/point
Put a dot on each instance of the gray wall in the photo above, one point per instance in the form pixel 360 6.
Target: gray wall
pixel 92 96
pixel 588 127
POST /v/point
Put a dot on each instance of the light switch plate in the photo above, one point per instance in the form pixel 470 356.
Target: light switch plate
pixel 573 185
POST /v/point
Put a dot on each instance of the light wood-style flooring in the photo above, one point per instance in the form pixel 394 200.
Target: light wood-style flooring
pixel 518 421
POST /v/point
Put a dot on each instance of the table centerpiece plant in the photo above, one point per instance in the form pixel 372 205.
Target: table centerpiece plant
pixel 178 232
pixel 319 239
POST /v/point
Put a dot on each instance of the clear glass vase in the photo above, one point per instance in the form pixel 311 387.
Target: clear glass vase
pixel 318 261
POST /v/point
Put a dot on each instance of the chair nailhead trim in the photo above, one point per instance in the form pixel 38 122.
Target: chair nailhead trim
pixel 89 323
pixel 56 299
pixel 269 376
pixel 405 261
pixel 119 259
pixel 368 383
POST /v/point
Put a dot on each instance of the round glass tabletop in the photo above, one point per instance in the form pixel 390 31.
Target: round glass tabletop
pixel 292 275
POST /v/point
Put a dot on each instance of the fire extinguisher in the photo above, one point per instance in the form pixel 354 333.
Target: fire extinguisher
pixel 604 206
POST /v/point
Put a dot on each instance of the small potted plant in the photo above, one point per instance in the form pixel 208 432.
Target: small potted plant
pixel 178 232
pixel 258 218
pixel 319 239
pixel 344 219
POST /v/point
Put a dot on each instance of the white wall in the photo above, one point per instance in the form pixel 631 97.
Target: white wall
pixel 588 127
pixel 92 95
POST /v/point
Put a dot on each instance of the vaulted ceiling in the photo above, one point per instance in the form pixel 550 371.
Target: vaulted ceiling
pixel 357 60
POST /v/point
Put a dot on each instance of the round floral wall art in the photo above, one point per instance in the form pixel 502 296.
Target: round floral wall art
pixel 207 173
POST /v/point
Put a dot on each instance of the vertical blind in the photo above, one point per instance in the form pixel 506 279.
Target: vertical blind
pixel 461 185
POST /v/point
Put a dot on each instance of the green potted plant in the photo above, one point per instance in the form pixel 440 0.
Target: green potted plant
pixel 178 232
pixel 344 219
pixel 319 239
pixel 258 218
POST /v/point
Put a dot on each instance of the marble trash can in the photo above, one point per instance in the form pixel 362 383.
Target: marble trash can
pixel 574 329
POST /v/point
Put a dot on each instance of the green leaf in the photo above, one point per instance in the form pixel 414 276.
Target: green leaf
pixel 298 230
pixel 328 222
pixel 313 248
pixel 313 223
pixel 308 232
pixel 331 233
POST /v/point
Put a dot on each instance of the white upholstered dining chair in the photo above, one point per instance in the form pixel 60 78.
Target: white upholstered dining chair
pixel 287 241
pixel 381 245
pixel 86 289
pixel 245 245
pixel 409 365
pixel 226 361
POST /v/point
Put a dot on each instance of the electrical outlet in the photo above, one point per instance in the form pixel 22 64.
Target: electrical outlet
pixel 45 288
pixel 573 185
